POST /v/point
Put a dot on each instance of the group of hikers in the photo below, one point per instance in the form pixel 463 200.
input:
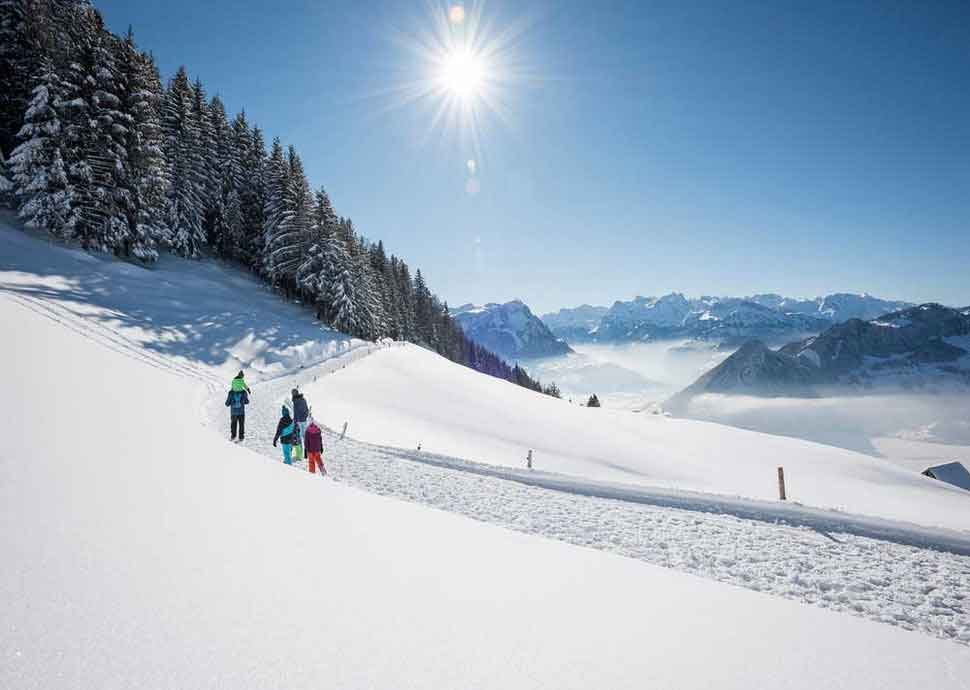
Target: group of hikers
pixel 296 432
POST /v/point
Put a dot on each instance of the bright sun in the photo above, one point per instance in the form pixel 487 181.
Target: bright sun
pixel 462 73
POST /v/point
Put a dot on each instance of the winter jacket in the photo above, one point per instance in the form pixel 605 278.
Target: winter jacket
pixel 239 385
pixel 236 401
pixel 301 411
pixel 285 431
pixel 313 439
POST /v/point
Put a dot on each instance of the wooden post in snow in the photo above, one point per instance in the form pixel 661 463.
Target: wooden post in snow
pixel 344 432
pixel 528 459
pixel 781 484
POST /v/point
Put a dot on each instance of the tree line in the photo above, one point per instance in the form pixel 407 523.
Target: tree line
pixel 97 151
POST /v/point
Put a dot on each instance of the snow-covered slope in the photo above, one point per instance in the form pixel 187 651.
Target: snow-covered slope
pixel 408 396
pixel 140 549
pixel 509 330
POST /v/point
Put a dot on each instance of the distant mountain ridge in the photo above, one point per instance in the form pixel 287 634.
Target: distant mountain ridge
pixel 729 319
pixel 921 348
pixel 510 330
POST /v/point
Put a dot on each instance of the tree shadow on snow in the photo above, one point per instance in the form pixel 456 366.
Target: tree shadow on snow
pixel 204 311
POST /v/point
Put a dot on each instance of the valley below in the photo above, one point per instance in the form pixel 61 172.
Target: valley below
pixel 914 430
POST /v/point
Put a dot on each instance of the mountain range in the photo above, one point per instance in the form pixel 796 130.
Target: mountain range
pixel 922 348
pixel 727 319
pixel 510 330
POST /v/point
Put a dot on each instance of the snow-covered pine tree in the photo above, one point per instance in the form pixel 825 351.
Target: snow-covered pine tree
pixel 183 214
pixel 405 292
pixel 286 245
pixel 274 211
pixel 342 292
pixel 423 329
pixel 18 67
pixel 253 196
pixel 98 133
pixel 206 175
pixel 370 304
pixel 37 167
pixel 147 167
pixel 225 215
pixel 241 141
pixel 314 275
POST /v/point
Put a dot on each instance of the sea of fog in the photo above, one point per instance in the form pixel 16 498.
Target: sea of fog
pixel 632 376
pixel 912 430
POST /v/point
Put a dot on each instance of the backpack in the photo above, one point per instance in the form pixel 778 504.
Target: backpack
pixel 238 403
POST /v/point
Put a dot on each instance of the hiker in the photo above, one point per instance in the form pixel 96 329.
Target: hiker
pixel 236 401
pixel 301 411
pixel 239 384
pixel 313 445
pixel 286 434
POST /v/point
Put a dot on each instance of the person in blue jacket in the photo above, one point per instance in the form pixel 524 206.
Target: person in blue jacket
pixel 286 434
pixel 236 401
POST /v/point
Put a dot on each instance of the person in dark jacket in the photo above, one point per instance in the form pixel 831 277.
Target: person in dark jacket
pixel 301 413
pixel 286 434
pixel 313 445
pixel 236 401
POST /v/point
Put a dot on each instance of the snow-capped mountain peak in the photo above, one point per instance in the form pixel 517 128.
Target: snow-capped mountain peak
pixel 510 330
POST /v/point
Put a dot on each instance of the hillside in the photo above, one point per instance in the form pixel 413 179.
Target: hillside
pixel 142 549
pixel 406 396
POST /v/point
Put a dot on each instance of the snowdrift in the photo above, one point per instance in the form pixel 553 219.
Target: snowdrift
pixel 409 396
pixel 140 549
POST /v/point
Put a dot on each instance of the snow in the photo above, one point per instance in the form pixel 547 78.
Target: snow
pixel 406 396
pixel 143 550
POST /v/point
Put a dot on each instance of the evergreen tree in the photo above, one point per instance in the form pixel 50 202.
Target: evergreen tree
pixel 6 186
pixel 226 214
pixel 147 171
pixel 593 401
pixel 37 167
pixel 183 211
pixel 98 132
pixel 274 211
pixel 253 197
pixel 342 295
pixel 19 63
pixel 286 247
pixel 205 173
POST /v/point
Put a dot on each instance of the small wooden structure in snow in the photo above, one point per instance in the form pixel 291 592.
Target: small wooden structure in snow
pixel 951 473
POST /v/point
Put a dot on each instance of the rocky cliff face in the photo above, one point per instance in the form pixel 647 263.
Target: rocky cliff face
pixel 925 348
pixel 510 330
pixel 725 319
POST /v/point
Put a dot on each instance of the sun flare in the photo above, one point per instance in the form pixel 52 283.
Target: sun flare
pixel 462 73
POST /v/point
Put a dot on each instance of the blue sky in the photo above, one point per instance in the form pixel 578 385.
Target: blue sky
pixel 708 148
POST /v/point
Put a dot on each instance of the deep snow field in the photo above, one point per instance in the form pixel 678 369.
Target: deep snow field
pixel 141 549
pixel 406 396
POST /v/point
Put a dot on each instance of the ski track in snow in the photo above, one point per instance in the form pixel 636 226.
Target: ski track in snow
pixel 914 588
